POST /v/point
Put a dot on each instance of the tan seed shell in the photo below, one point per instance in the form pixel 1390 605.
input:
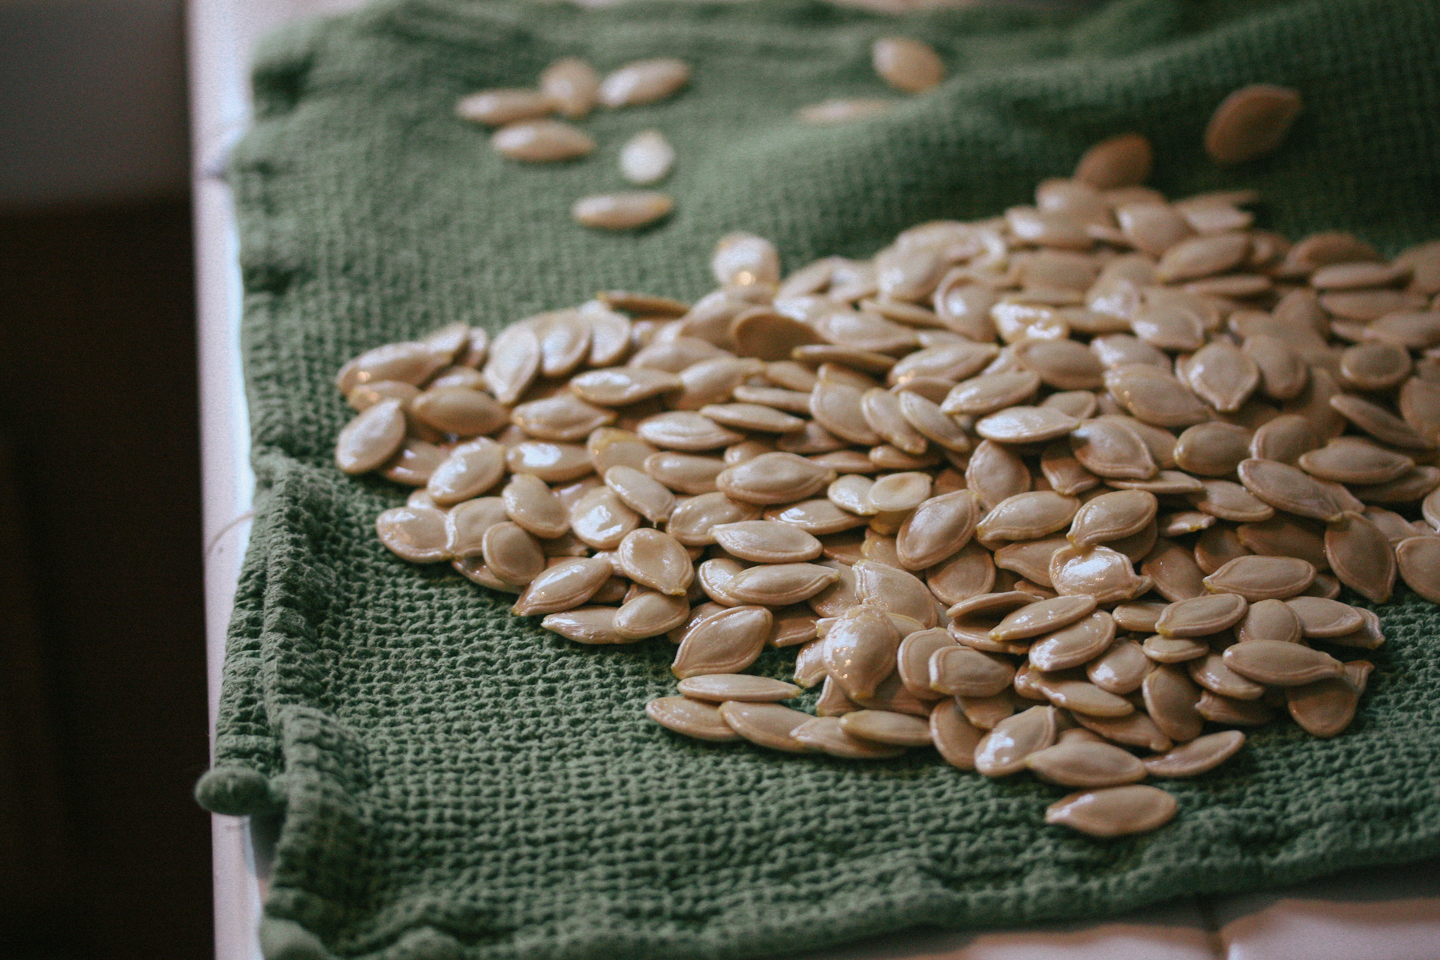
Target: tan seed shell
pixel 685 430
pixel 585 625
pixel 1212 449
pixel 1027 516
pixel 1120 669
pixel 1172 650
pixel 1202 616
pixel 512 554
pixel 899 492
pixel 895 591
pixel 1154 396
pixel 683 472
pixel 466 523
pixel 1074 645
pixel 720 687
pixel 1101 572
pixel 656 560
pixel 1026 425
pixel 1114 811
pixel 462 411
pixel 888 727
pixel 1276 663
pixel 912 660
pixel 1003 750
pixel 825 734
pixel 727 642
pixel 692 718
pixel 641 493
pixel 1110 448
pixel 371 438
pixel 620 386
pixel 414 532
pixel 693 523
pixel 1226 500
pixel 1042 616
pixel 766 541
pixel 766 724
pixel 1251 122
pixel 1112 516
pixel 1326 707
pixel 953 735
pixel 564 586
pixel 816 517
pixel 996 473
pixel 1270 620
pixel 1170 699
pixel 1200 755
pixel 773 478
pixel 990 392
pixel 601 520
pixel 838 407
pixel 532 505
pixel 1418 559
pixel 961 671
pixel 781 583
pixel 1120 161
pixel 938 528
pixel 1361 556
pixel 967 574
pixel 1213 674
pixel 646 158
pixel 1262 578
pixel 625 210
pixel 1287 488
pixel 572 84
pixel 644 81
pixel 1322 618
pixel 513 363
pixel 908 65
pixel 1078 763
pixel 541 141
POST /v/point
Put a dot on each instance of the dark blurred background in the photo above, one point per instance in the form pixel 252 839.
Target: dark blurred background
pixel 103 853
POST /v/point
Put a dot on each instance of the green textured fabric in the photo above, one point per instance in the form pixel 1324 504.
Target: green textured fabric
pixel 456 782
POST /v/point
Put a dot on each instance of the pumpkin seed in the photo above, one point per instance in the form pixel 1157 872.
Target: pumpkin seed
pixel 1120 669
pixel 1114 811
pixel 1251 122
pixel 720 687
pixel 1326 707
pixel 960 671
pixel 1418 560
pixel 589 625
pixel 692 718
pixel 1112 516
pixel 726 642
pixel 826 734
pixel 1171 699
pixel 765 724
pixel 1078 763
pixel 1027 516
pixel 1196 757
pixel 414 532
pixel 1003 749
pixel 1101 572
pixel 371 438
pixel 1276 663
pixel 1110 448
pixel 908 65
pixel 1074 645
pixel 995 473
pixel 1361 556
pixel 564 586
pixel 883 726
pixel 626 210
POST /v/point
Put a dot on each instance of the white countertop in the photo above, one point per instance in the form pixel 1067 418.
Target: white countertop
pixel 1380 914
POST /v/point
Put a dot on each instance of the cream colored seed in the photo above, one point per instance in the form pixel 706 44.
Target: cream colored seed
pixel 1003 750
pixel 1280 664
pixel 371 438
pixel 733 686
pixel 644 81
pixel 908 65
pixel 414 533
pixel 691 718
pixel 727 642
pixel 1077 763
pixel 573 85
pixel 647 158
pixel 629 210
pixel 826 735
pixel 1114 811
pixel 1251 122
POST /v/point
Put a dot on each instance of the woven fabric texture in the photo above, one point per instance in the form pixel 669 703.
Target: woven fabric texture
pixel 456 782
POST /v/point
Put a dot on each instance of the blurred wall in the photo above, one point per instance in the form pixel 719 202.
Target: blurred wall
pixel 103 853
pixel 92 101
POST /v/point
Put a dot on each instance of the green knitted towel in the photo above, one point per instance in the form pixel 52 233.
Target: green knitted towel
pixel 456 782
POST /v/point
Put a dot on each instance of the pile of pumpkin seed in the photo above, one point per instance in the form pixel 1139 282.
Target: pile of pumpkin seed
pixel 1071 490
